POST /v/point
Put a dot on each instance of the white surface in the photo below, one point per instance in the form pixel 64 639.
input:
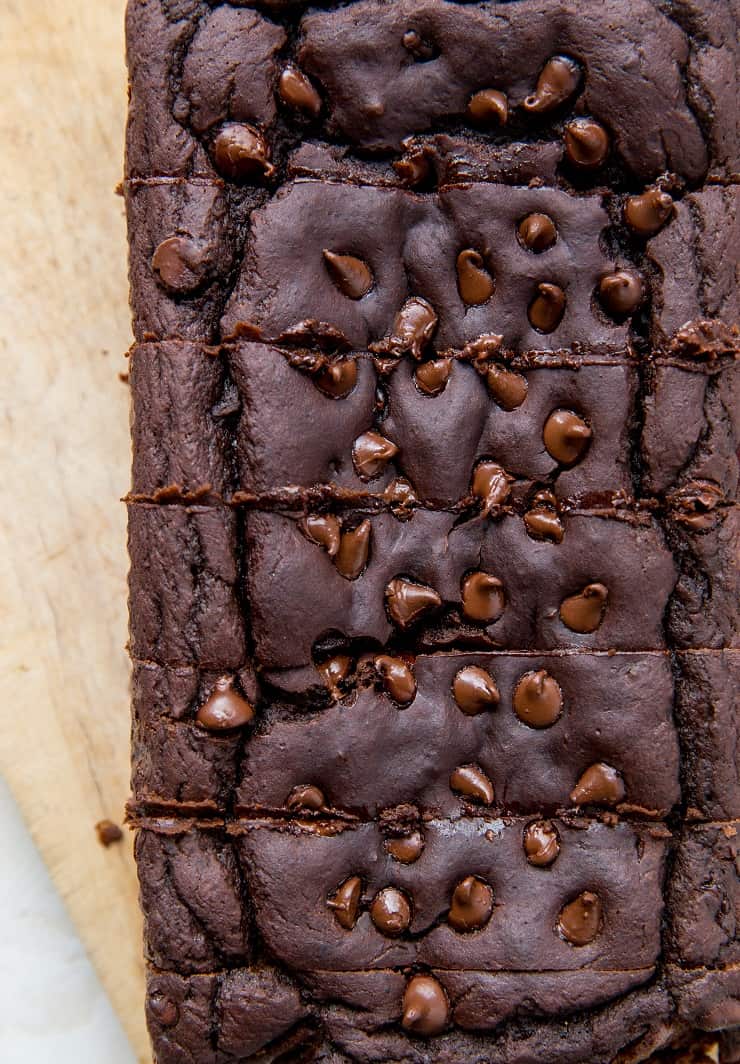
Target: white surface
pixel 52 1007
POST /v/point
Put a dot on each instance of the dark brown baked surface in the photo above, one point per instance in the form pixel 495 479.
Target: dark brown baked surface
pixel 433 529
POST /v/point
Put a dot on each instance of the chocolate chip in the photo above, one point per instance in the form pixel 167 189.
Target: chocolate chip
pixel 491 484
pixel 431 377
pixel 472 782
pixel 542 523
pixel 333 671
pixel 471 906
pixel 337 379
pixel 413 168
pixel 296 90
pixel 538 700
pixel 306 797
pixel 390 911
pixel 351 275
pixel 580 919
pixel 621 292
pixel 408 601
pixel 558 80
pixel 600 784
pixel 164 1010
pixel 586 143
pixel 537 232
pixel 475 690
pixel 401 498
pixel 547 308
pixel 224 708
pixel 541 843
pixel 398 679
pixel 345 902
pixel 371 453
pixel 648 212
pixel 413 328
pixel 566 436
pixel 474 282
pixel 584 611
pixel 322 529
pixel 509 389
pixel 241 153
pixel 407 848
pixel 108 833
pixel 426 1010
pixel 489 107
pixel 180 264
pixel 483 348
pixel 483 597
pixel 415 44
pixel 354 548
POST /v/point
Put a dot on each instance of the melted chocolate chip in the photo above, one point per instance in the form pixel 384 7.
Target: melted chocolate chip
pixel 621 292
pixel 537 232
pixel 401 498
pixel 541 843
pixel 390 911
pixel 483 597
pixel 164 1010
pixel 584 611
pixel 696 505
pixel 371 453
pixel 491 484
pixel 483 348
pixel 407 848
pixel 180 264
pixel 489 107
pixel 354 548
pixel 472 782
pixel 337 379
pixel 398 679
pixel 566 436
pixel 413 329
pixel 538 700
pixel 306 797
pixel 345 902
pixel 408 601
pixel 474 282
pixel 475 690
pixel 351 275
pixel 509 389
pixel 225 708
pixel 322 529
pixel 600 784
pixel 431 377
pixel 471 906
pixel 241 153
pixel 426 1010
pixel 544 524
pixel 547 308
pixel 648 212
pixel 580 919
pixel 586 143
pixel 333 671
pixel 296 90
pixel 558 80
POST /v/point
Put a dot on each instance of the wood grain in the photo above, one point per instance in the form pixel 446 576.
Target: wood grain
pixel 64 460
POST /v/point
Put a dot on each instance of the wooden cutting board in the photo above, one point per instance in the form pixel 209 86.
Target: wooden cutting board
pixel 64 457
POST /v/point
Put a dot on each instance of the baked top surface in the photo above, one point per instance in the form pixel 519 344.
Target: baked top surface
pixel 433 528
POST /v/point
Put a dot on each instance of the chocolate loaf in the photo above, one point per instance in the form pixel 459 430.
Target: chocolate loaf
pixel 433 529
